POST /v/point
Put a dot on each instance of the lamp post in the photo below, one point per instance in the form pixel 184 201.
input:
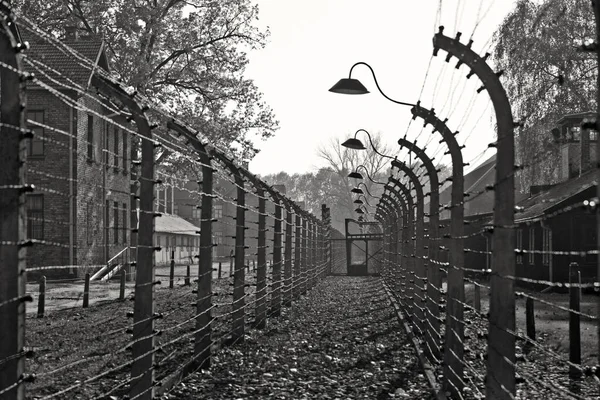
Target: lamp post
pixel 454 349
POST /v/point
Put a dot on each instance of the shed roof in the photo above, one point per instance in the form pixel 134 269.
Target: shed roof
pixel 538 205
pixel 168 223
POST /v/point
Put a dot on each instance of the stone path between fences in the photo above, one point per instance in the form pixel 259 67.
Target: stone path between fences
pixel 341 341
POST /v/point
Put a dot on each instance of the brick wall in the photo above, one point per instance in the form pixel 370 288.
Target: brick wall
pixel 86 186
pixel 101 183
pixel 49 173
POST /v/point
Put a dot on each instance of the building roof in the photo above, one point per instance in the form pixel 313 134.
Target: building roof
pixel 58 65
pixel 544 202
pixel 168 223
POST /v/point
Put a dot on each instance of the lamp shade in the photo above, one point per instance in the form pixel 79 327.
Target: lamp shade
pixel 354 144
pixel 349 86
pixel 359 211
pixel 355 174
pixel 358 201
pixel 357 191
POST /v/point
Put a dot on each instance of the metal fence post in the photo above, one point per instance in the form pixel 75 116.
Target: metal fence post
pixel 239 302
pixel 434 277
pixel 261 272
pixel 297 256
pixel 276 294
pixel 142 370
pixel 454 348
pixel 287 273
pixel 304 261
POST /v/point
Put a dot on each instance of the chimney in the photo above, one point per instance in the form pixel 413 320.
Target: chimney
pixel 71 32
pixel 280 188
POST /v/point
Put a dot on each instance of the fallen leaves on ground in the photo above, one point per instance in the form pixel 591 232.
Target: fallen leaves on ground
pixel 341 341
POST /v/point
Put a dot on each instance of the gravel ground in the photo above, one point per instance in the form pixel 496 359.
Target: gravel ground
pixel 342 341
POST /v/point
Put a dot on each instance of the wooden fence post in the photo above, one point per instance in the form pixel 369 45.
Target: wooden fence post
pixel 86 291
pixel 122 284
pixel 574 321
pixel 231 258
pixel 220 270
pixel 172 270
pixel 42 297
pixel 187 276
pixel 529 320
pixel 13 215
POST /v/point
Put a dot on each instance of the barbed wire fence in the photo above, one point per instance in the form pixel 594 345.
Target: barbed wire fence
pixel 472 287
pixel 80 181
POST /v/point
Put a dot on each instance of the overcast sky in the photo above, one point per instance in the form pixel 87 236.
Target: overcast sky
pixel 315 42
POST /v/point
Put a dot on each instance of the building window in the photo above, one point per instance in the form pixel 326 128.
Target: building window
pixel 158 240
pixel 124 151
pixel 217 211
pixel 196 212
pixel 90 138
pixel 124 211
pixel 547 246
pixel 218 238
pixel 531 245
pixel 36 144
pixel 116 148
pixel 35 216
pixel 520 246
pixel 116 222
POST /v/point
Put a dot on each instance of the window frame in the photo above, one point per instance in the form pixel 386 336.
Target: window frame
pixel 116 148
pixel 531 254
pixel 116 222
pixel 124 213
pixel 39 219
pixel 217 211
pixel 125 150
pixel 35 130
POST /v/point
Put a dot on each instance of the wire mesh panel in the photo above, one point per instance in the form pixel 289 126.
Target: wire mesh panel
pixel 339 264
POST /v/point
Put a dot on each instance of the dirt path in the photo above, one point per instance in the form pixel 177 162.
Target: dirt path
pixel 341 341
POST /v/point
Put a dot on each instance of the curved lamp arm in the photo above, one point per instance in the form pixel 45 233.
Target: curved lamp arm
pixel 369 176
pixel 377 84
pixel 372 145
pixel 367 189
pixel 365 197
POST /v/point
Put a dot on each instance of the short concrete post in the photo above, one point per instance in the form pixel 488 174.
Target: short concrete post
pixel 42 297
pixel 86 291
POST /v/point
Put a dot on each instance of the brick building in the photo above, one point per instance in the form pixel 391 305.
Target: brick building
pixel 78 161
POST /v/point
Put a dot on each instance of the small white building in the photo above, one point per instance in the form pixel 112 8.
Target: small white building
pixel 173 233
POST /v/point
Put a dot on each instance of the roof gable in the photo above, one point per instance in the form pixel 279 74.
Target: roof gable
pixel 60 66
